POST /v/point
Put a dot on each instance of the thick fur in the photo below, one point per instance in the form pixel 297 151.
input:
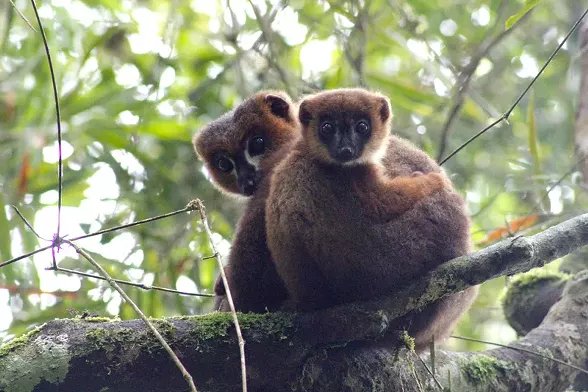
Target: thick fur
pixel 253 281
pixel 327 246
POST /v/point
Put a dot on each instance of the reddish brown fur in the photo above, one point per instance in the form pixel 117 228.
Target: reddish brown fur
pixel 253 281
pixel 376 105
pixel 328 251
pixel 230 132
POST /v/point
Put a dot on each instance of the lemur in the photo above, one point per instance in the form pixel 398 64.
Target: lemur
pixel 354 213
pixel 239 150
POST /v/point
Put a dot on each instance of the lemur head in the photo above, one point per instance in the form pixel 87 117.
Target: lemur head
pixel 345 126
pixel 234 147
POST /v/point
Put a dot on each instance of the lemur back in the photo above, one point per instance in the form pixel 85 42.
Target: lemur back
pixel 239 150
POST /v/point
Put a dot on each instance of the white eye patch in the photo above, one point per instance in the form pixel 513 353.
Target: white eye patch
pixel 252 160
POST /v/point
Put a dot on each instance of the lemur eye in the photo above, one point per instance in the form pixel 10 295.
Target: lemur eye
pixel 327 129
pixel 256 146
pixel 224 164
pixel 362 128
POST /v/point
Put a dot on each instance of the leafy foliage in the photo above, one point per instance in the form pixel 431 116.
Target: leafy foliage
pixel 136 80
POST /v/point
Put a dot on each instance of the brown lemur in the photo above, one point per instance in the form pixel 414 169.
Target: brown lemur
pixel 341 226
pixel 239 150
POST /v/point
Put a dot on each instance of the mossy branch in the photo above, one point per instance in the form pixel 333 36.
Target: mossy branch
pixel 313 351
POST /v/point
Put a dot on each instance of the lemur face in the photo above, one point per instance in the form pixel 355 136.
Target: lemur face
pixel 239 170
pixel 345 126
pixel 345 135
pixel 235 146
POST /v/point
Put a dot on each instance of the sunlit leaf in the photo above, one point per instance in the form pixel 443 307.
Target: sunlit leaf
pixel 529 5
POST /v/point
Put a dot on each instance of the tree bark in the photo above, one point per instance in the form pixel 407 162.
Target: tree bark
pixel 319 351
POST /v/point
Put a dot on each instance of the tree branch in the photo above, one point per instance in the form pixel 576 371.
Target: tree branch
pixel 316 351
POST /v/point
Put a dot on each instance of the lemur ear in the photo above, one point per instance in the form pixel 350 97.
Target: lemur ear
pixel 304 114
pixel 278 105
pixel 385 110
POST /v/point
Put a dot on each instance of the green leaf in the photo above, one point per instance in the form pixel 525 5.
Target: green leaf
pixel 529 5
pixel 533 138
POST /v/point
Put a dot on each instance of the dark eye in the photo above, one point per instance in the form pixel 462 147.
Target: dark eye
pixel 327 129
pixel 362 128
pixel 256 146
pixel 224 164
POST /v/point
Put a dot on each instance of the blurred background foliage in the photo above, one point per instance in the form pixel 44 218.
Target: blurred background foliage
pixel 138 78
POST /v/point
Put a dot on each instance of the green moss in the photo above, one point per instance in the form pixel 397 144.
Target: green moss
pixel 216 325
pixel 19 341
pixel 408 340
pixel 210 326
pixel 537 275
pixel 525 280
pixel 39 358
pixel 276 325
pixel 481 368
pixel 99 319
pixel 164 326
pixel 109 339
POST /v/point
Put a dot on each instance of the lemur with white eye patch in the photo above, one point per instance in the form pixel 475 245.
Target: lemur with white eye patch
pixel 354 213
pixel 239 151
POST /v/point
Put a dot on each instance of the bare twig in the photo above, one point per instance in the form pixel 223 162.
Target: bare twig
pixel 26 255
pixel 27 223
pixel 444 62
pixel 140 222
pixel 506 115
pixel 29 254
pixel 54 266
pixel 272 57
pixel 235 60
pixel 466 76
pixel 197 205
pixel 360 28
pixel 430 372
pixel 120 281
pixel 150 325
pixel 58 119
pixel 22 16
pixel 525 350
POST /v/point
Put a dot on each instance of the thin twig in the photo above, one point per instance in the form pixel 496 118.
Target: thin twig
pixel 120 281
pixel 29 254
pixel 505 116
pixel 27 223
pixel 525 350
pixel 58 119
pixel 140 222
pixel 466 77
pixel 443 62
pixel 197 205
pixel 204 86
pixel 22 16
pixel 357 61
pixel 150 325
pixel 429 371
pixel 26 255
pixel 54 266
pixel 272 57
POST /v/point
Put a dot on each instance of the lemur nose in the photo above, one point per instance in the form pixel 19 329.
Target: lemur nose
pixel 248 187
pixel 345 153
